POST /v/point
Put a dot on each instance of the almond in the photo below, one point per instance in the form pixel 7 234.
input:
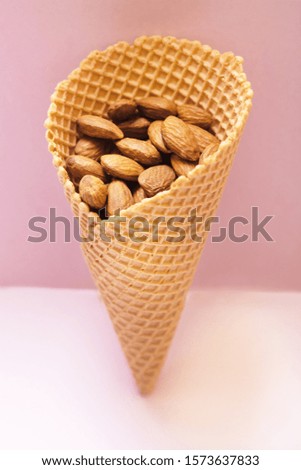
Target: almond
pixel 92 148
pixel 155 135
pixel 139 150
pixel 122 110
pixel 156 107
pixel 155 179
pixel 203 138
pixel 194 115
pixel 136 127
pixel 93 191
pixel 209 150
pixel 119 197
pixel 181 167
pixel 139 195
pixel 121 167
pixel 95 126
pixel 79 166
pixel 179 138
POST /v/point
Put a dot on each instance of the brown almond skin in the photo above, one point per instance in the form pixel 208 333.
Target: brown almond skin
pixel 155 107
pixel 141 151
pixel 122 110
pixel 179 138
pixel 136 127
pixel 95 126
pixel 194 115
pixel 119 197
pixel 78 166
pixel 209 150
pixel 155 135
pixel 203 137
pixel 90 147
pixel 180 166
pixel 93 191
pixel 139 195
pixel 121 167
pixel 156 178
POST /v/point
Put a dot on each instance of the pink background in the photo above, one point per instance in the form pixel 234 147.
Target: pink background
pixel 42 41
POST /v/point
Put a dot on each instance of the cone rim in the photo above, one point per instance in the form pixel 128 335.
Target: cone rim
pixel 200 168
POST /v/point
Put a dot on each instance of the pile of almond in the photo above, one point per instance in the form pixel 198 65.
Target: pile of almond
pixel 137 150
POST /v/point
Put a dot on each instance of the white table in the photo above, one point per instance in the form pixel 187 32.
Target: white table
pixel 232 378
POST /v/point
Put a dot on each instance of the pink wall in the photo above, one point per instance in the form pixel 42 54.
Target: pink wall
pixel 42 41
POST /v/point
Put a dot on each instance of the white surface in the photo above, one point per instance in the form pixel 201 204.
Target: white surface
pixel 232 378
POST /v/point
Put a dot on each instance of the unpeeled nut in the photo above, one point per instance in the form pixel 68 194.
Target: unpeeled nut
pixel 194 115
pixel 93 191
pixel 138 195
pixel 155 107
pixel 79 166
pixel 179 138
pixel 141 151
pixel 90 147
pixel 121 167
pixel 155 135
pixel 156 178
pixel 180 166
pixel 122 110
pixel 209 150
pixel 203 137
pixel 136 127
pixel 119 197
pixel 95 126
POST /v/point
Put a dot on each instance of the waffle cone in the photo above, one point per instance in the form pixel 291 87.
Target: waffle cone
pixel 144 284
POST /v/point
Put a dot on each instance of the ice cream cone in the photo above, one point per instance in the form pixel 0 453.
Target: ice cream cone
pixel 144 284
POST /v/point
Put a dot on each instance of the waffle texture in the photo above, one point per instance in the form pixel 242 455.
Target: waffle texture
pixel 144 284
